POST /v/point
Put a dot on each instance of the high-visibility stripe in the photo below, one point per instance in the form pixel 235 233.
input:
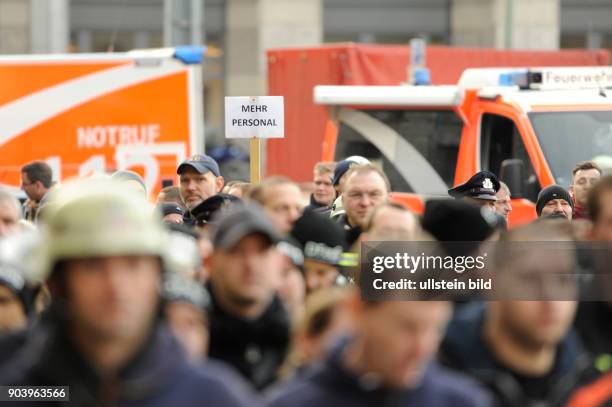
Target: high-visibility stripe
pixel 593 395
pixel 409 162
pixel 29 111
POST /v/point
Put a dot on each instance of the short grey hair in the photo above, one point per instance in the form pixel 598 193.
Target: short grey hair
pixel 502 185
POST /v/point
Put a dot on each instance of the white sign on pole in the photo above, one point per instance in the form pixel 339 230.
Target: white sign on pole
pixel 254 117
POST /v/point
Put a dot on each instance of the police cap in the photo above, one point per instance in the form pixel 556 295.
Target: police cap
pixel 482 185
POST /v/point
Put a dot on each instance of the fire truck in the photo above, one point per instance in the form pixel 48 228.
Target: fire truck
pixel 530 126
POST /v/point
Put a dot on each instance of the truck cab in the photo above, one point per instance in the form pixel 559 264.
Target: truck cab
pixel 530 126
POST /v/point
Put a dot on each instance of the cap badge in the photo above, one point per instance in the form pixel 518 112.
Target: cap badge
pixel 487 183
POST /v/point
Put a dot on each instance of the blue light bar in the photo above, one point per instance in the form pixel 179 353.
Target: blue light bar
pixel 189 54
pixel 515 78
pixel 422 77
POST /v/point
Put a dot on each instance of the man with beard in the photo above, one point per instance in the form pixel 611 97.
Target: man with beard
pixel 199 179
pixel 554 201
pixel 249 326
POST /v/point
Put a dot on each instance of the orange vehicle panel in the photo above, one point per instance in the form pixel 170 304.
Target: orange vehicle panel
pixel 144 127
pixel 21 79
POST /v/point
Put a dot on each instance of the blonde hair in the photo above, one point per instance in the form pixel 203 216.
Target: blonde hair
pixel 324 167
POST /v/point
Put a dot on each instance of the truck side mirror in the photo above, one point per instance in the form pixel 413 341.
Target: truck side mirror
pixel 512 172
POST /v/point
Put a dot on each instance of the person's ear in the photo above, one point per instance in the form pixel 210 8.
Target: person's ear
pixel 220 182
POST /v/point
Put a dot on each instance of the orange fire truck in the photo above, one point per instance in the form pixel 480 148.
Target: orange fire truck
pixel 528 125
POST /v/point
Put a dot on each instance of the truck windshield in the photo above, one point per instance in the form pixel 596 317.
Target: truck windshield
pixel 568 138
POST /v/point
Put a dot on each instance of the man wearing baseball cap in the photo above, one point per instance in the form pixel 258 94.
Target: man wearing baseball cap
pixel 480 189
pixel 554 201
pixel 199 179
pixel 249 326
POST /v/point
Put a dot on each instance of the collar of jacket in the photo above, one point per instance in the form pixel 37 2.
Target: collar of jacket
pixel 333 373
pixel 271 327
pixel 56 361
pixel 580 212
pixel 464 349
pixel 316 204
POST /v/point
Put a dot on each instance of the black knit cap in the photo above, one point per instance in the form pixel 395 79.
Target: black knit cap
pixel 552 192
pixel 322 239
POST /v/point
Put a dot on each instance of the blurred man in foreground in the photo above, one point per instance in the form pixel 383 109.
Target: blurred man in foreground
pixel 521 346
pixel 389 360
pixel 249 326
pixel 15 298
pixel 593 317
pixel 103 261
pixel 10 213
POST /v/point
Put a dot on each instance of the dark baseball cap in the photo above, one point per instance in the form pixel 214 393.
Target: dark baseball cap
pixel 240 221
pixel 201 163
pixel 343 166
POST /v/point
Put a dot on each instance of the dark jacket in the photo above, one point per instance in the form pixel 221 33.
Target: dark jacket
pixel 314 205
pixel 464 350
pixel 352 233
pixel 593 323
pixel 330 384
pixel 159 375
pixel 10 343
pixel 255 348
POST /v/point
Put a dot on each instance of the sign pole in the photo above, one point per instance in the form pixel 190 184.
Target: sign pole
pixel 255 160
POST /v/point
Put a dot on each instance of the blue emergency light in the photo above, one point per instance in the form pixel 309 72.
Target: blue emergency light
pixel 523 78
pixel 515 78
pixel 189 54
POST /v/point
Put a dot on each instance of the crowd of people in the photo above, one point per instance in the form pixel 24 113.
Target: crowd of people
pixel 232 294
